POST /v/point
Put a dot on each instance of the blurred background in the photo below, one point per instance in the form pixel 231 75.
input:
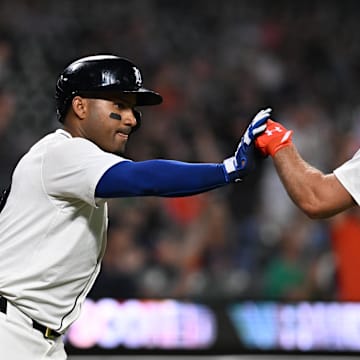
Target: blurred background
pixel 216 63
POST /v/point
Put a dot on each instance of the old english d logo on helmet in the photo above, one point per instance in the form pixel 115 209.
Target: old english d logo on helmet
pixel 138 79
pixel 101 75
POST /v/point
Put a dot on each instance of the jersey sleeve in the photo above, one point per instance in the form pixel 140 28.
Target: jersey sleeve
pixel 73 168
pixel 349 176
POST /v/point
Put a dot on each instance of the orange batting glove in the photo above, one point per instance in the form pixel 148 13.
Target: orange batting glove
pixel 274 138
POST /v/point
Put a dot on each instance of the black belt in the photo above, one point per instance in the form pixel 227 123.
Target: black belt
pixel 47 332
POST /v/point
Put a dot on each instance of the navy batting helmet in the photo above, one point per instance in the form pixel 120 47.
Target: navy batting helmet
pixel 101 76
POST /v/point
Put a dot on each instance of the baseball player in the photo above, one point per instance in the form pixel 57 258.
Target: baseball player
pixel 318 195
pixel 54 218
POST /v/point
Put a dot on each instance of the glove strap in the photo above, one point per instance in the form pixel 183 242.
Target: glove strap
pixel 285 141
pixel 231 173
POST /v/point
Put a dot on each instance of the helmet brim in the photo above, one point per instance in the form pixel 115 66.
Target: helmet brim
pixel 144 97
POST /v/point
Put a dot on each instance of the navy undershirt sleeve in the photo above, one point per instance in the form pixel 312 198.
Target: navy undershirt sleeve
pixel 166 178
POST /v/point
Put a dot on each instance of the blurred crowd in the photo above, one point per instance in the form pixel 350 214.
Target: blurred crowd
pixel 216 63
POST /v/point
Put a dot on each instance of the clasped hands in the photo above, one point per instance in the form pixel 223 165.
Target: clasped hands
pixel 263 137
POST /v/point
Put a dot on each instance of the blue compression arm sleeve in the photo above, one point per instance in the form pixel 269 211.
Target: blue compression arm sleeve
pixel 166 178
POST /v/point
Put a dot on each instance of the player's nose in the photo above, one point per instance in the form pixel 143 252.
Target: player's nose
pixel 129 118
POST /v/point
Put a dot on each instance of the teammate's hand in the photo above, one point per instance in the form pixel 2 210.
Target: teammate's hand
pixel 239 165
pixel 273 139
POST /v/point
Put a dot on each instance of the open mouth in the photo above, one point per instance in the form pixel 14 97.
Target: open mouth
pixel 125 136
pixel 122 134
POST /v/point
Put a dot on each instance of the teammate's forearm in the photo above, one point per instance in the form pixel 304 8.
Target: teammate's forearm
pixel 315 193
pixel 299 178
pixel 160 178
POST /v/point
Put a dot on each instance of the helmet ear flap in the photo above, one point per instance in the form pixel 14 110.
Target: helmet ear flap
pixel 138 117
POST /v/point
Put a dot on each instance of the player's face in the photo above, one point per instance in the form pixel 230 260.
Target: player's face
pixel 110 122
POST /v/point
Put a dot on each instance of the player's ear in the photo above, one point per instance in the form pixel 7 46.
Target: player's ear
pixel 80 106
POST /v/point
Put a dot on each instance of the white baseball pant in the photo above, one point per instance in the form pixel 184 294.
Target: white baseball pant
pixel 19 340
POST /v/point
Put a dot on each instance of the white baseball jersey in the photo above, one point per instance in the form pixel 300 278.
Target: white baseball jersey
pixel 53 230
pixel 349 176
